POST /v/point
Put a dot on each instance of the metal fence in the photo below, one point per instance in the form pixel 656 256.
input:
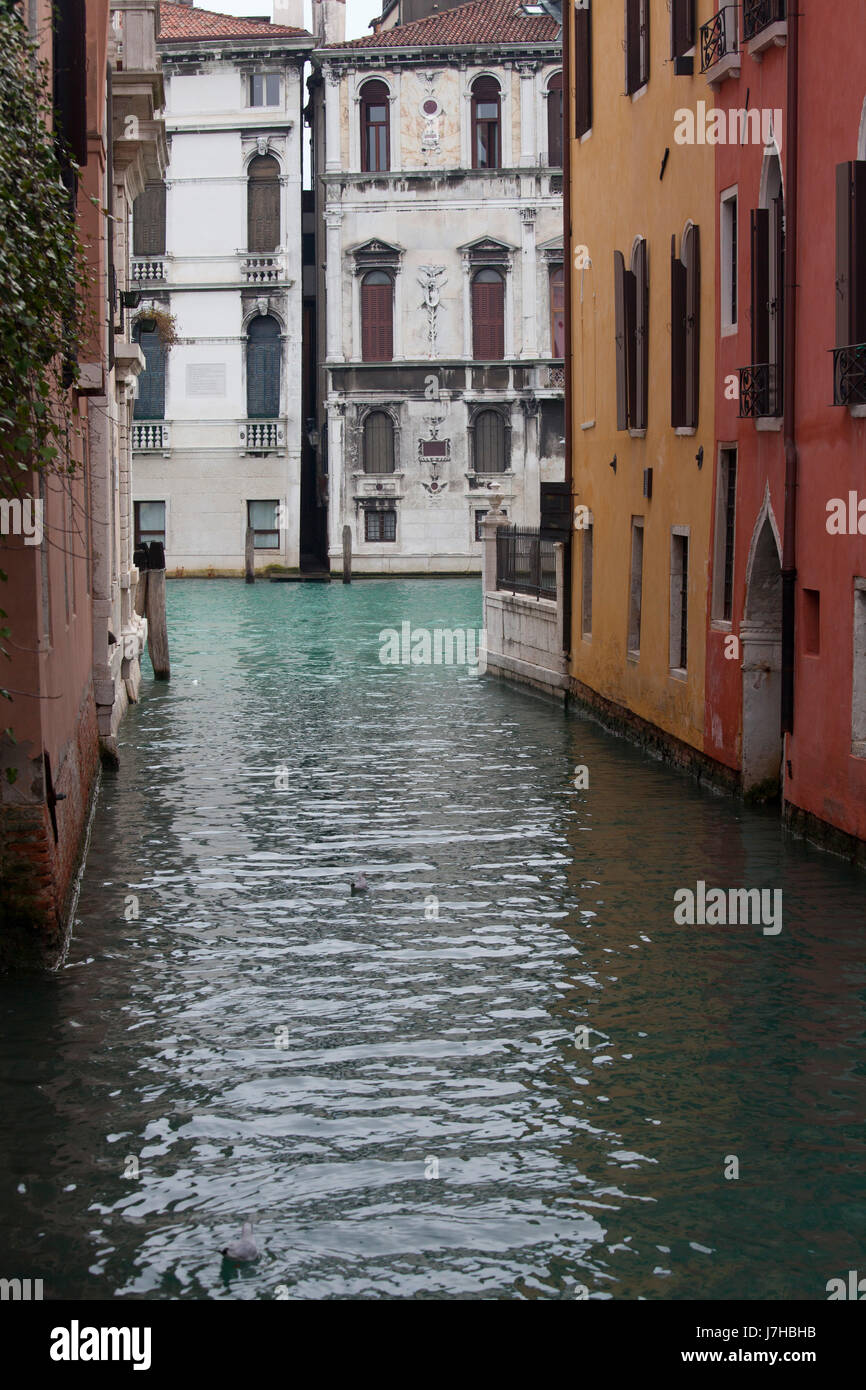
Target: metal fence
pixel 525 563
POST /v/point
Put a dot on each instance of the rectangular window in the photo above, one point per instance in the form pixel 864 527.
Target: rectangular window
pixel 262 518
pixel 149 522
pixel 682 27
pixel 557 310
pixel 851 253
pixel 635 587
pixel 265 89
pixel 479 517
pixel 858 696
pixel 729 254
pixel 380 526
pixel 679 606
pixel 586 586
pixel 148 221
pixel 811 613
pixel 723 559
pixel 582 68
pixel 636 45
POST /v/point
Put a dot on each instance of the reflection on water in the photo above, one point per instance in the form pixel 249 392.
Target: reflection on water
pixel 257 1041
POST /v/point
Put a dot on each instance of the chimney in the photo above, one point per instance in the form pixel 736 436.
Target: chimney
pixel 329 21
pixel 289 12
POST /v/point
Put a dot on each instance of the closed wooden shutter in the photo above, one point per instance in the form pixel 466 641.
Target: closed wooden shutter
pixel 148 221
pixel 150 401
pixel 488 317
pixel 693 325
pixel 632 45
pixel 760 233
pixel 621 339
pixel 583 69
pixel 263 368
pixel 777 304
pixel 378 443
pixel 69 64
pixel 377 317
pixel 557 310
pixel 678 339
pixel 641 338
pixel 489 430
pixel 263 204
pixel 682 27
pixel 554 121
pixel 851 253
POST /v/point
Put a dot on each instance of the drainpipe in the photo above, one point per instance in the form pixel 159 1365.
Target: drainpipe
pixel 789 543
pixel 568 268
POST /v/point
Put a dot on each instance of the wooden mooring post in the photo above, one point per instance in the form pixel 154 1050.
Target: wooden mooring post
pixel 250 557
pixel 154 611
pixel 347 554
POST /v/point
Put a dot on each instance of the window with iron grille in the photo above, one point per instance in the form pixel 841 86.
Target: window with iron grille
pixel 586 585
pixel 148 221
pixel 149 520
pixel 554 121
pixel 150 401
pixel 479 518
pixel 635 587
pixel 726 514
pixel 488 316
pixel 380 525
pixel 679 605
pixel 378 442
pixel 849 358
pixel 486 136
pixel 489 442
pixel 377 317
pixel 263 368
pixel 637 53
pixel 263 204
pixel 375 128
pixel 265 89
pixel 262 519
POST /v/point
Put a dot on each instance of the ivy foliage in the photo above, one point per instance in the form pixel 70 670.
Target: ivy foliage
pixel 42 271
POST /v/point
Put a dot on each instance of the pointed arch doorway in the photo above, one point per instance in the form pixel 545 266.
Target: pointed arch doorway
pixel 761 638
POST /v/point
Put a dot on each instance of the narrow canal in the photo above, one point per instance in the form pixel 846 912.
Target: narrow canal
pixel 391 1084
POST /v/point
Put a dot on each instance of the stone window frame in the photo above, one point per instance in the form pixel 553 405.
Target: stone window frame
pixel 503 409
pixel 375 254
pixel 488 252
pixel 391 81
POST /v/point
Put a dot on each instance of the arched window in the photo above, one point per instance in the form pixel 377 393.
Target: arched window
pixel 377 317
pixel 488 316
pixel 263 204
pixel 486 143
pixel 554 121
pixel 375 128
pixel 263 368
pixel 150 401
pixel 488 431
pixel 557 311
pixel 378 443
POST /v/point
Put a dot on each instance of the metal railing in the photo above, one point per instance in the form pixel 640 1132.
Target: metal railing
pixel 849 375
pixel 525 563
pixel 149 435
pixel 759 391
pixel 759 14
pixel 719 37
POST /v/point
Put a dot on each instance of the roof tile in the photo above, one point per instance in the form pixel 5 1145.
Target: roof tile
pixel 189 22
pixel 482 21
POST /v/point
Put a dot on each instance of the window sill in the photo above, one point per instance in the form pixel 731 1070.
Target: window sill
pixel 640 91
pixel 769 424
pixel 729 66
pixel 775 35
pixel 587 135
pixel 729 330
pixel 678 673
pixel 858 750
pixel 588 425
pixel 633 657
pixel 720 625
pixel 586 637
pixel 858 412
pixel 637 434
pixel 685 431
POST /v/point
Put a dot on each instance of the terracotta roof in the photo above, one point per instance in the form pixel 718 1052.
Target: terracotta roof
pixel 189 22
pixel 484 21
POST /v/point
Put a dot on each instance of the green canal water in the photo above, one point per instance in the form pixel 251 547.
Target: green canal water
pixel 391 1084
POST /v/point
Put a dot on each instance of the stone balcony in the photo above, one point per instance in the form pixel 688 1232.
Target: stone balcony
pixel 150 437
pixel 263 269
pixel 145 271
pixel 262 436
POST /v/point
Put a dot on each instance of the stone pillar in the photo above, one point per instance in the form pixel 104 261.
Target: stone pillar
pixel 466 266
pixel 333 152
pixel 334 285
pixel 335 481
pixel 528 285
pixel 528 152
pixel 489 527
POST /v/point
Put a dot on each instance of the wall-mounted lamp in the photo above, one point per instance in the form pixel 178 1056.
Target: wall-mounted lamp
pixel 699 457
pixel 613 463
pixel 312 433
pixel 130 299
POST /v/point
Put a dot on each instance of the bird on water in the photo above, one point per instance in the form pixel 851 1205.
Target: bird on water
pixel 243 1249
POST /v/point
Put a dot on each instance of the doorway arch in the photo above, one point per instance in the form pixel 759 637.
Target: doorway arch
pixel 761 637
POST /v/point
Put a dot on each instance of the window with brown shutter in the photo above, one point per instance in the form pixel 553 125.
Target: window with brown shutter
pixel 375 128
pixel 557 310
pixel 488 316
pixel 760 236
pixel 69 65
pixel 624 303
pixel 148 221
pixel 486 141
pixel 582 68
pixel 554 121
pixel 693 324
pixel 636 44
pixel 678 339
pixel 851 253
pixel 263 368
pixel 682 27
pixel 263 204
pixel 777 287
pixel 377 317
pixel 638 406
pixel 378 443
pixel 489 448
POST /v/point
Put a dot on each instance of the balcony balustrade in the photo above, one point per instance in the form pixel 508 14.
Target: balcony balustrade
pixel 150 436
pixel 261 436
pixel 720 54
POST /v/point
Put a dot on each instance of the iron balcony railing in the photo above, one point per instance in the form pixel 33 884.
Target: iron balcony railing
pixel 759 391
pixel 849 375
pixel 759 14
pixel 719 37
pixel 525 563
